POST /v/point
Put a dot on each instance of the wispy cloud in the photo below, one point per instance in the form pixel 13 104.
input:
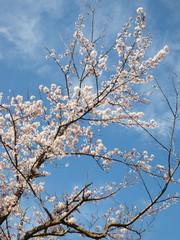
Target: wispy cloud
pixel 26 26
pixel 21 26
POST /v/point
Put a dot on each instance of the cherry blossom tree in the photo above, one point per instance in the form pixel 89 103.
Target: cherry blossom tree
pixel 68 121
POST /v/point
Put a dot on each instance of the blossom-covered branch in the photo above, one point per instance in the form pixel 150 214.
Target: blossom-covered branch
pixel 66 122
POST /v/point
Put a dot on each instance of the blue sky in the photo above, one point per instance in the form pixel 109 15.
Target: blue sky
pixel 26 26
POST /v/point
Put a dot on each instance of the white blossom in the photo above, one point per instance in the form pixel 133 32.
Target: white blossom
pixel 139 10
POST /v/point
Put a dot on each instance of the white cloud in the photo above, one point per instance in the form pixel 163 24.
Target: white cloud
pixel 26 26
pixel 21 25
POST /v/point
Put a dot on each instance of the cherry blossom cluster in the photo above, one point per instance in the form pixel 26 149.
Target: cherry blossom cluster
pixel 35 134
